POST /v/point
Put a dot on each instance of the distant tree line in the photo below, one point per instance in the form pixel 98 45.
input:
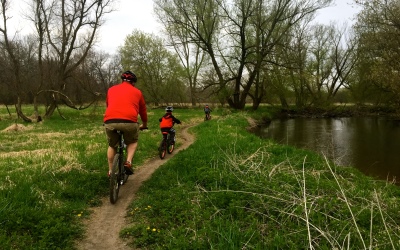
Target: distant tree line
pixel 230 52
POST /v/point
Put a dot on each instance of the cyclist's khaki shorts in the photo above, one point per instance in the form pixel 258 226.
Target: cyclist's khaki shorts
pixel 131 133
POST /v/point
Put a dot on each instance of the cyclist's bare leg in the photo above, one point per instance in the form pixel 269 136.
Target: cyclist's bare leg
pixel 130 151
pixel 111 152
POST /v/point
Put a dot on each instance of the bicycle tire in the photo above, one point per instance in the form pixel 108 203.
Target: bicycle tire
pixel 162 149
pixel 170 147
pixel 123 176
pixel 114 179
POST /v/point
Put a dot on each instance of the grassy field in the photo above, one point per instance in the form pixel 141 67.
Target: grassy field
pixel 229 190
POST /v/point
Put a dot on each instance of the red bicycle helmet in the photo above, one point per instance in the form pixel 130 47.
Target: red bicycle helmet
pixel 129 76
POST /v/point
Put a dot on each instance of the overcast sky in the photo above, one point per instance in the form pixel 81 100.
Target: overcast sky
pixel 129 15
pixel 138 14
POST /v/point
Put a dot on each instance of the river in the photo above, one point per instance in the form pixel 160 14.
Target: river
pixel 371 144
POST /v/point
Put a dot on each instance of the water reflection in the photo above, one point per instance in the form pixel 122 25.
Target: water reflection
pixel 370 144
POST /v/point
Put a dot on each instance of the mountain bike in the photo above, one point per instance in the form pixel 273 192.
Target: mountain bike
pixel 166 145
pixel 118 177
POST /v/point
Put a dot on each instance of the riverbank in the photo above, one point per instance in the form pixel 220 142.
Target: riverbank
pixel 337 111
pixel 232 190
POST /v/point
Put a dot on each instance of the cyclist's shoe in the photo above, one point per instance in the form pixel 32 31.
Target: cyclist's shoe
pixel 128 168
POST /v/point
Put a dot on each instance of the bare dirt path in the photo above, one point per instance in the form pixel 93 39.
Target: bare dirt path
pixel 106 221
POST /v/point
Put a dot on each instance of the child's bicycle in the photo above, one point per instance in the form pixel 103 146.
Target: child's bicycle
pixel 207 117
pixel 166 145
pixel 118 177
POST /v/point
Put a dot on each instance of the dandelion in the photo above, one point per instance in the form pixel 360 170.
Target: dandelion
pixel 154 230
pixel 79 215
pixel 148 228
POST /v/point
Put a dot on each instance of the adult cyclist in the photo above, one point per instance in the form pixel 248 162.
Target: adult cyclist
pixel 124 103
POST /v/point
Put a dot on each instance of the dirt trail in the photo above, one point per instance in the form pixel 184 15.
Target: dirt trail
pixel 105 222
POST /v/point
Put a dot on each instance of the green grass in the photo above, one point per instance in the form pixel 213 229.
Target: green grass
pixel 229 190
pixel 52 172
pixel 232 190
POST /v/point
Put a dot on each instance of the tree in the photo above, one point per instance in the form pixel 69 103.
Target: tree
pixel 378 31
pixel 238 36
pixel 67 29
pixel 160 75
pixel 14 54
pixel 191 56
pixel 319 60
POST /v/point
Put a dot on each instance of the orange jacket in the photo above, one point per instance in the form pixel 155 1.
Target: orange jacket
pixel 168 120
pixel 125 102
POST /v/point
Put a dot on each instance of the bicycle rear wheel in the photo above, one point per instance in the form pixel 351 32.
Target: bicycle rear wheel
pixel 114 179
pixel 123 178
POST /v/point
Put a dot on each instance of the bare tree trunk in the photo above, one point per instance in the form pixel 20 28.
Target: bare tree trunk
pixel 8 110
pixel 14 56
pixel 20 113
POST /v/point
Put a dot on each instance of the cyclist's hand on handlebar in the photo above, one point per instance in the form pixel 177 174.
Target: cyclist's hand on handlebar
pixel 141 127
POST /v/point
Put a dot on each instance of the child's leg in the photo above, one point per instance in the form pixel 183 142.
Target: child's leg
pixel 172 134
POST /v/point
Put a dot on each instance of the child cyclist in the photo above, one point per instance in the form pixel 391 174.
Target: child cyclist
pixel 167 122
pixel 207 111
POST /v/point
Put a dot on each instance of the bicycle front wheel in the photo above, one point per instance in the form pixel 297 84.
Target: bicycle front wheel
pixel 114 179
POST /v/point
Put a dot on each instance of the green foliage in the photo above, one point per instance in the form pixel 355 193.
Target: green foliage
pixel 160 74
pixel 378 49
pixel 232 190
